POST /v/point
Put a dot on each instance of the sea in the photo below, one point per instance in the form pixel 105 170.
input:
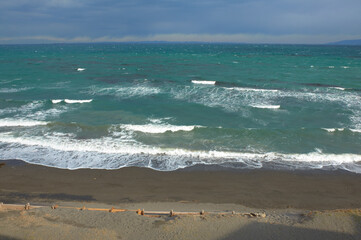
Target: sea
pixel 168 106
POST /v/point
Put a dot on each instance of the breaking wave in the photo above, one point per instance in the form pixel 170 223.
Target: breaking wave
pixel 105 153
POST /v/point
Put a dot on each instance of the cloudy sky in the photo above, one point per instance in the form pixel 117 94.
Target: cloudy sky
pixel 251 21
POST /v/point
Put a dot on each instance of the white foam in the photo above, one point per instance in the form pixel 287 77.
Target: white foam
pixel 204 82
pixel 331 66
pixel 232 100
pixel 80 69
pixel 157 128
pixel 252 89
pixel 13 90
pixel 8 122
pixel 55 101
pixel 65 152
pixel 345 67
pixel 24 109
pixel 125 92
pixel 339 88
pixel 356 130
pixel 77 101
pixel 267 106
pixel 333 129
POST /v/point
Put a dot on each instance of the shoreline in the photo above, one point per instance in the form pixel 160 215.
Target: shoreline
pixel 260 188
pixel 291 204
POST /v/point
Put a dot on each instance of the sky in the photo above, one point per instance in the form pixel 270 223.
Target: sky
pixel 245 21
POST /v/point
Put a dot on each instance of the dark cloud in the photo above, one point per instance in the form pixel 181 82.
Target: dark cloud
pixel 116 19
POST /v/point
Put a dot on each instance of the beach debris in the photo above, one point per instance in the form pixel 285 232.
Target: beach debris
pixel 141 212
pixel 2 164
pixel 27 206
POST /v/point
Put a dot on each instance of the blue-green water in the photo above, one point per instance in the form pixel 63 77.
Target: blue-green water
pixel 168 106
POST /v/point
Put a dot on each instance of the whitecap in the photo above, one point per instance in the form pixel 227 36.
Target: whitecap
pixel 267 106
pixel 77 101
pixel 252 89
pixel 356 130
pixel 80 69
pixel 333 129
pixel 8 122
pixel 55 101
pixel 157 128
pixel 339 88
pixel 205 82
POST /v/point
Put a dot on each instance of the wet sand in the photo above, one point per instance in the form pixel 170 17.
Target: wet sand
pixel 315 190
pixel 298 204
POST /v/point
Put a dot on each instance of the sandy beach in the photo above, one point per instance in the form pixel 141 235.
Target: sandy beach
pixel 300 204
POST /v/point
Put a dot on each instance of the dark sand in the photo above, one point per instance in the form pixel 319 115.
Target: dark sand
pixel 291 200
pixel 314 190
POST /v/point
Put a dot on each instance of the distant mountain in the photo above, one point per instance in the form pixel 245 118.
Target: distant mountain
pixel 347 42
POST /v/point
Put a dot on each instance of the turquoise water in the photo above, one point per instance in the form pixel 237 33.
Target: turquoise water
pixel 169 106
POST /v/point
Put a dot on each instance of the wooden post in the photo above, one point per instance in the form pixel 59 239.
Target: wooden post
pixel 171 213
pixel 54 207
pixel 111 210
pixel 202 212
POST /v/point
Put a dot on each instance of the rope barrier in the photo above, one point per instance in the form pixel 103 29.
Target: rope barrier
pixel 141 212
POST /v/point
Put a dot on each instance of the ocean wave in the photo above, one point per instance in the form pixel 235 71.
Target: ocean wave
pixel 356 130
pixel 80 69
pixel 339 88
pixel 235 99
pixel 157 128
pixel 8 122
pixel 230 99
pixel 23 109
pixel 14 90
pixel 70 101
pixel 252 89
pixel 65 152
pixel 267 106
pixel 125 92
pixel 333 129
pixel 204 82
